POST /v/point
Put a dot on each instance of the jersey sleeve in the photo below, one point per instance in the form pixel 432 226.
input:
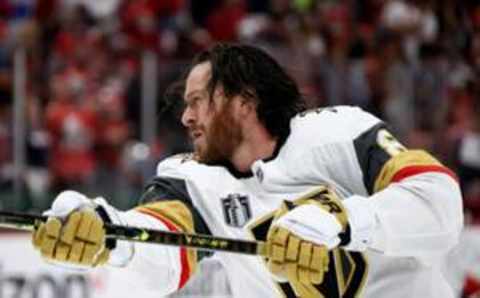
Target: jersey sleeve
pixel 416 198
pixel 383 159
pixel 167 199
pixel 166 204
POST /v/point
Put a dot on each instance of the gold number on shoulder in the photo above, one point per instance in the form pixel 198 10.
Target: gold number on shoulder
pixel 389 143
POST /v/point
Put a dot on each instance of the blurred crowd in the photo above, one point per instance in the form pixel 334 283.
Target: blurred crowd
pixel 415 64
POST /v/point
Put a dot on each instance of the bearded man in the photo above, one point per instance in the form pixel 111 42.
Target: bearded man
pixel 335 196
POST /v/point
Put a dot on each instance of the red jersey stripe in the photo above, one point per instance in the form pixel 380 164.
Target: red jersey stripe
pixel 185 273
pixel 420 169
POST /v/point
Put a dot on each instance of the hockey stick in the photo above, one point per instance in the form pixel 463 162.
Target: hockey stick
pixel 28 222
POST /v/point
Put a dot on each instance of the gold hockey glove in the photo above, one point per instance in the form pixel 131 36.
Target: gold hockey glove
pixel 80 239
pixel 301 260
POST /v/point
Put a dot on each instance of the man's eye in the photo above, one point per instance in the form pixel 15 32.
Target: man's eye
pixel 195 101
pixel 188 104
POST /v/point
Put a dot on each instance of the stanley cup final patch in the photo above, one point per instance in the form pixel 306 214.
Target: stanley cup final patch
pixel 236 210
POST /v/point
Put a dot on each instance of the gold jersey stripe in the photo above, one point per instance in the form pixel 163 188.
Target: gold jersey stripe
pixel 174 213
pixel 400 161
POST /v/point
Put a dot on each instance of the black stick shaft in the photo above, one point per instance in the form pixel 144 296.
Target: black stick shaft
pixel 28 222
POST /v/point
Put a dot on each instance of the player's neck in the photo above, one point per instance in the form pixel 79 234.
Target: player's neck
pixel 258 144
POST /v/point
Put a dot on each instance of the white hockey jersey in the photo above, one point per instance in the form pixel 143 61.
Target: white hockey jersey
pixel 417 201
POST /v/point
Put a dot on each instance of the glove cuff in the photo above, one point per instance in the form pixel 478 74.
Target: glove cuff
pixel 121 252
pixel 328 200
pixel 303 221
pixel 362 223
pixel 67 202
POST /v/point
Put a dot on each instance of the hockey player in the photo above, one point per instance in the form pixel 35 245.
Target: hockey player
pixel 336 197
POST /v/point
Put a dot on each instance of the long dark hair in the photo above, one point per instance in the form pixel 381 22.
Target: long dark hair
pixel 251 72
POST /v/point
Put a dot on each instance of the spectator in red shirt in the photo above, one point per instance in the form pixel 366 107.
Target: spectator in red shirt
pixel 72 128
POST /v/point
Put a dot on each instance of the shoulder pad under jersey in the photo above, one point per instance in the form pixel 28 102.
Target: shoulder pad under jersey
pixel 184 166
pixel 176 165
pixel 330 125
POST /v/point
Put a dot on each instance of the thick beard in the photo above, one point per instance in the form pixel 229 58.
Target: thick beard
pixel 223 137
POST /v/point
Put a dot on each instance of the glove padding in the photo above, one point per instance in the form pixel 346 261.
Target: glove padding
pixel 301 262
pixel 299 239
pixel 78 238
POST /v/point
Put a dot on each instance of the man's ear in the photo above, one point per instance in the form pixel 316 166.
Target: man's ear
pixel 247 105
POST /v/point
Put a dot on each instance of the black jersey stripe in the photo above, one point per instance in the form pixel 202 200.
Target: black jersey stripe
pixel 370 155
pixel 169 189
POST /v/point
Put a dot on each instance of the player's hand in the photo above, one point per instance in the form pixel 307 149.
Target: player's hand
pixel 74 232
pixel 319 217
pixel 300 237
pixel 301 262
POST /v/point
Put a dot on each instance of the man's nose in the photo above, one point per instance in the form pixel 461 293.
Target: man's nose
pixel 187 117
